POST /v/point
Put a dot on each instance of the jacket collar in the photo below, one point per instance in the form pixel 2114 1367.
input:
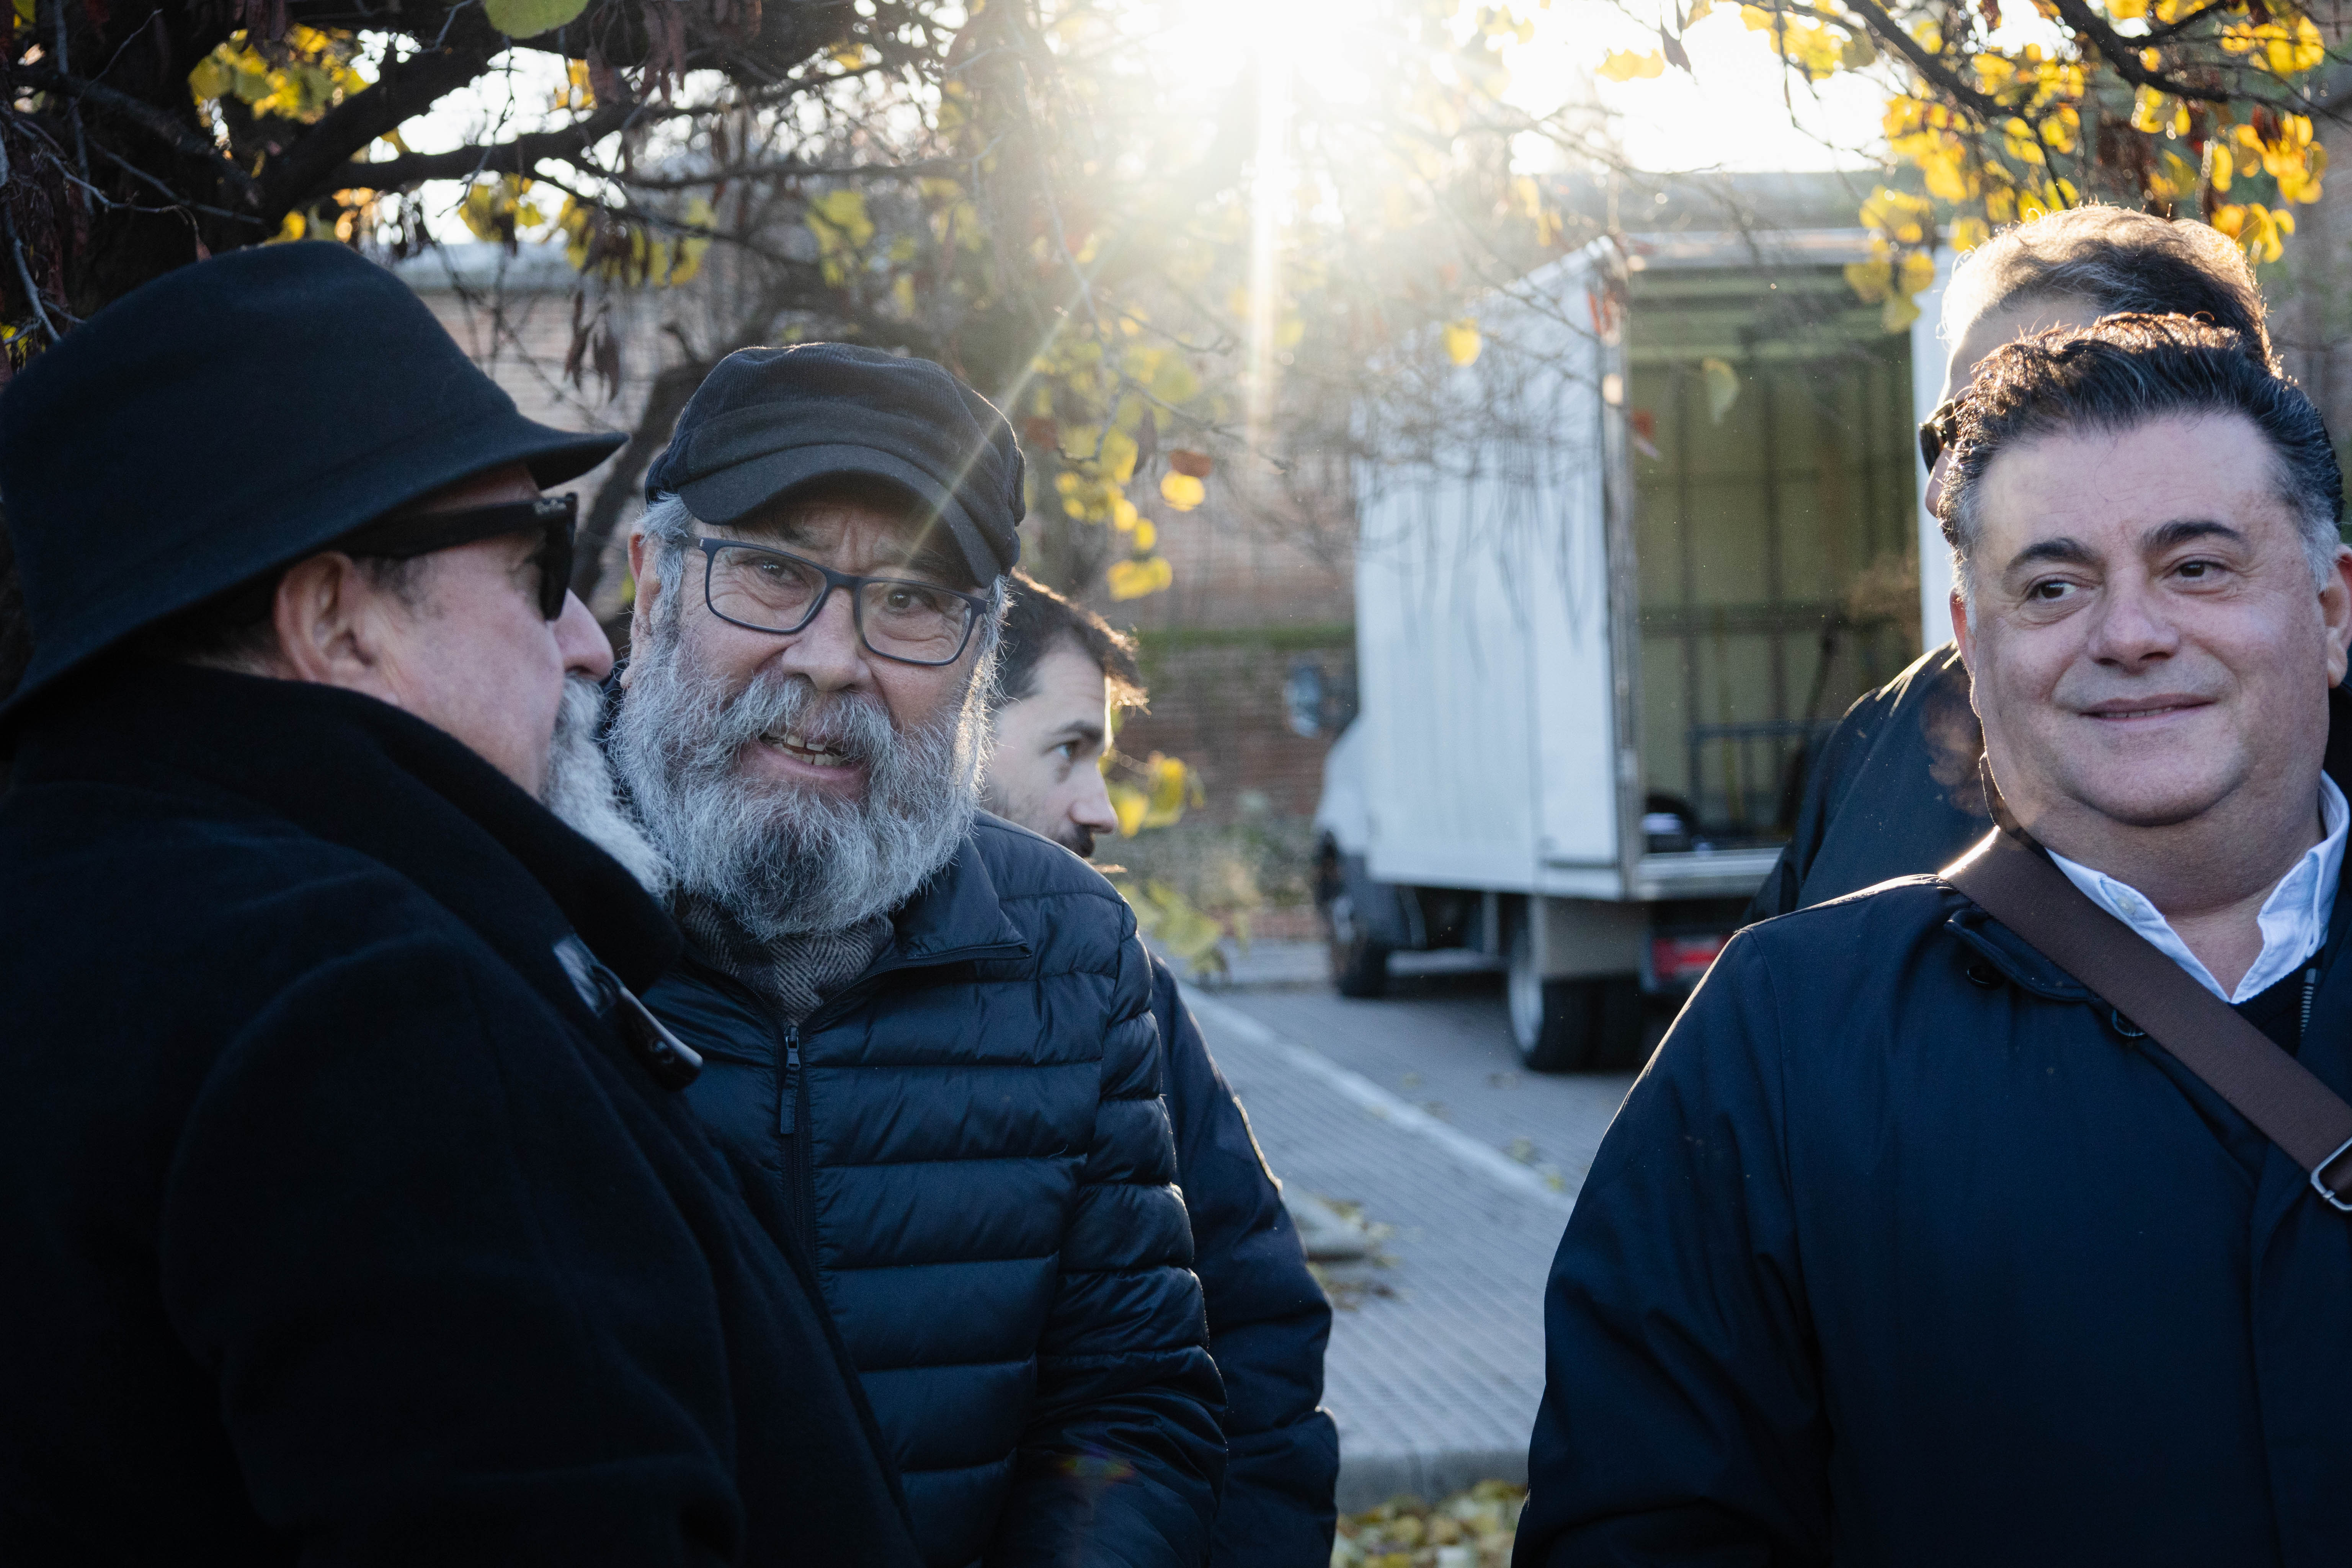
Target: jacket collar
pixel 957 912
pixel 362 774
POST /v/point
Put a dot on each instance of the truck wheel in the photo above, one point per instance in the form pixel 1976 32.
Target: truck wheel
pixel 1570 1025
pixel 1359 966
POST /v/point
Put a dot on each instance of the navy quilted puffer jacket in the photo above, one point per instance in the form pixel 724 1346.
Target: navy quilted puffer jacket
pixel 971 1140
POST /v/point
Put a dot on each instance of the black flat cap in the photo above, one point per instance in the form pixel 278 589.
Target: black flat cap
pixel 228 419
pixel 767 421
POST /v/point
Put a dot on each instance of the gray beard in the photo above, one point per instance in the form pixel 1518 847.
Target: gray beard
pixel 580 788
pixel 780 860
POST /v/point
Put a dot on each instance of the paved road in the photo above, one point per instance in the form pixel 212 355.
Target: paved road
pixel 1415 1108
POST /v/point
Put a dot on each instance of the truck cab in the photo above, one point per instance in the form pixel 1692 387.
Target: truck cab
pixel 1613 580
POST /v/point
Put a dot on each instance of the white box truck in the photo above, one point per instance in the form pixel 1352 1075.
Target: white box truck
pixel 1597 637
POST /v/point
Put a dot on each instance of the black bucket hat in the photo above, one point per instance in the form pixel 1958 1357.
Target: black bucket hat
pixel 768 421
pixel 227 419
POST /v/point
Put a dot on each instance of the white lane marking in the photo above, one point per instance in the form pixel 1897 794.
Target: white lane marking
pixel 1468 1151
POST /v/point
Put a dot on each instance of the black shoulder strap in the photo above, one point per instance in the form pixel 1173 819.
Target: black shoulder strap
pixel 2016 884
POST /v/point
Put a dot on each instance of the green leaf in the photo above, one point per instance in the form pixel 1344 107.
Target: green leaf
pixel 529 18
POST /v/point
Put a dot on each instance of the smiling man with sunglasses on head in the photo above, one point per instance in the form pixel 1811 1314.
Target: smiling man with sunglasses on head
pixel 350 1209
pixel 927 1033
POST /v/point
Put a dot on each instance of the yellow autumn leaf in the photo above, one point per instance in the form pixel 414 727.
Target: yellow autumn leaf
pixel 1872 281
pixel 1118 455
pixel 1462 342
pixel 843 213
pixel 1968 233
pixel 1182 491
pixel 1624 65
pixel 212 79
pixel 1128 803
pixel 1918 271
pixel 1134 579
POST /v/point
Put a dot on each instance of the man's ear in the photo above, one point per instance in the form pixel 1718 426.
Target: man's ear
pixel 327 617
pixel 1961 632
pixel 641 607
pixel 2336 613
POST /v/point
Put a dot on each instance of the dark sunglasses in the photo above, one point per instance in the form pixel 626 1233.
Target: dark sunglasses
pixel 1939 430
pixel 556 517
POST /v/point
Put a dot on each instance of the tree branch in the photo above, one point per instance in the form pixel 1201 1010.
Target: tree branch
pixel 1939 74
pixel 2122 56
pixel 146 116
pixel 791 169
pixel 520 157
pixel 406 88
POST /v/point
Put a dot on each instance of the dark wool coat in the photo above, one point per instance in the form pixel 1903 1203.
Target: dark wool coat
pixel 1906 1250
pixel 971 1139
pixel 1268 1319
pixel 1892 792
pixel 340 1223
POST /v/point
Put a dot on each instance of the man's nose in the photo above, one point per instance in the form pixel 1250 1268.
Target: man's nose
pixel 2131 625
pixel 586 648
pixel 1092 809
pixel 828 651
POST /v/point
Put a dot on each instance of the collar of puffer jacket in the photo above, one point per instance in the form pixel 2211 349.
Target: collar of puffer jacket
pixel 960 911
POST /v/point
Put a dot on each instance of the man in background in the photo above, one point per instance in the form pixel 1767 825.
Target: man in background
pixel 1061 672
pixel 1894 790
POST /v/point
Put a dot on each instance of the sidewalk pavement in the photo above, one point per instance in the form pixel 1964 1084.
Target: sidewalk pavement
pixel 1436 1358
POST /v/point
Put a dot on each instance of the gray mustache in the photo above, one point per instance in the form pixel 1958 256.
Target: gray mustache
pixel 858 727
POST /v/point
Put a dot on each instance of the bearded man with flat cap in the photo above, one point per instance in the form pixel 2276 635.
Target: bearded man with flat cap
pixel 350 1210
pixel 928 1033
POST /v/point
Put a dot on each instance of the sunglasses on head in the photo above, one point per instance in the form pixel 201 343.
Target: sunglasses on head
pixel 555 517
pixel 1938 431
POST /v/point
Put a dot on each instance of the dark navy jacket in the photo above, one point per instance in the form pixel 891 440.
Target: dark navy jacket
pixel 1268 1319
pixel 1893 791
pixel 340 1221
pixel 971 1140
pixel 1905 1251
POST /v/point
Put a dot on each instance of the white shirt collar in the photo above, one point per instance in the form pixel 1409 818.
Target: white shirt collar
pixel 2293 919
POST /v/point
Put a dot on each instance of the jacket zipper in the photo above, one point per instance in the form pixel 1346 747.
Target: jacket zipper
pixel 793 1115
pixel 792 1111
pixel 2310 988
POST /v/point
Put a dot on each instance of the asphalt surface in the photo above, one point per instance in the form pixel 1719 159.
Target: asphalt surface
pixel 1413 1111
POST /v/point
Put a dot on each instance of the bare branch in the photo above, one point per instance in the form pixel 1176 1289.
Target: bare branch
pixel 146 116
pixel 520 157
pixel 793 169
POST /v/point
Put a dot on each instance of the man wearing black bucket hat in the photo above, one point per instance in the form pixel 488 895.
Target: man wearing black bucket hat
pixel 350 1209
pixel 927 1033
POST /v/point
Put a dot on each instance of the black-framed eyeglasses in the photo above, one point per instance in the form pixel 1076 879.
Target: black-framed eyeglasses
pixel 556 517
pixel 897 619
pixel 1939 430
